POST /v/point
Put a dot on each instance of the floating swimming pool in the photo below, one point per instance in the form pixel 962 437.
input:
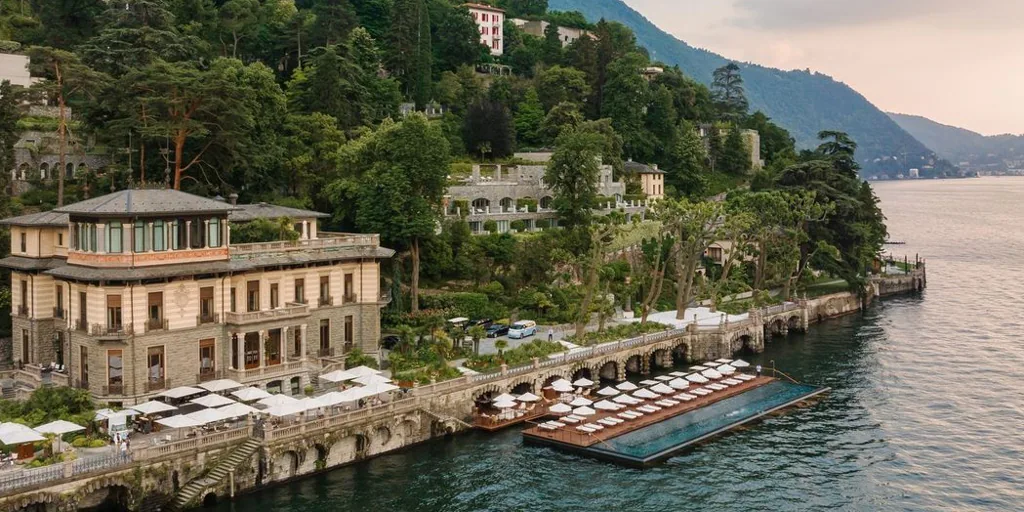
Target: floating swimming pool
pixel 661 440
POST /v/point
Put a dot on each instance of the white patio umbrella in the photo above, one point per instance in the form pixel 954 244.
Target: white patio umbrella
pixel 250 394
pixel 362 371
pixel 662 389
pixel 608 391
pixel 220 385
pixel 583 383
pixel 561 382
pixel 504 404
pixel 739 363
pixel 646 394
pixel 311 403
pixel 338 376
pixel 723 360
pixel 106 414
pixel 279 411
pixel 727 369
pixel 696 377
pixel 378 388
pixel 663 378
pixel 562 386
pixel 605 405
pixel 179 421
pixel 13 434
pixel 560 409
pixel 528 397
pixel 366 380
pixel 698 368
pixel 59 428
pixel 679 383
pixel 626 399
pixel 626 386
pixel 277 400
pixel 181 392
pixel 580 402
pixel 678 374
pixel 153 407
pixel 504 397
pixel 711 374
pixel 205 416
pixel 338 398
pixel 648 382
pixel 711 364
pixel 212 401
pixel 584 411
pixel 237 410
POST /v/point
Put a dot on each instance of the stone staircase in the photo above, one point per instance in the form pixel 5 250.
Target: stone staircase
pixel 194 489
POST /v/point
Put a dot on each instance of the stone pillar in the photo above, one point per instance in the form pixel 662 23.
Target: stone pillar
pixel 285 343
pixel 667 362
pixel 239 341
pixel 263 335
pixel 645 365
pixel 620 371
pixel 305 230
pixel 206 232
pixel 302 337
pixel 188 235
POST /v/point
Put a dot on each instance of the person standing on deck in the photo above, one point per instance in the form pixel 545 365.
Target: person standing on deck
pixel 758 370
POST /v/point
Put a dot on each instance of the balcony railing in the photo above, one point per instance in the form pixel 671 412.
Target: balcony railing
pixel 326 301
pixel 22 310
pixel 156 324
pixel 328 241
pixel 157 384
pixel 113 389
pixel 58 312
pixel 289 311
pixel 111 331
pixel 208 375
pixel 326 352
pixel 81 325
pixel 208 319
pixel 349 298
pixel 267 371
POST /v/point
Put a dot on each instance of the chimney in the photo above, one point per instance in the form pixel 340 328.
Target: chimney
pixel 233 199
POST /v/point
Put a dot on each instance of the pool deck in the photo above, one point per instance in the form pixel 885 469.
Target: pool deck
pixel 568 435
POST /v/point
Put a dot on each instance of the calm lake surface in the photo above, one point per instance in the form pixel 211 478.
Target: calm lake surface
pixel 927 411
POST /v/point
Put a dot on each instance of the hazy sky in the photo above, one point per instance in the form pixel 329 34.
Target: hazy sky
pixel 959 62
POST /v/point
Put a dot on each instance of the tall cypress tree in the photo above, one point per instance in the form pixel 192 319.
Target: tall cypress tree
pixel 424 57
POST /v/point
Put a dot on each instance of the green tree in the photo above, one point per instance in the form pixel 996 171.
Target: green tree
pixel 728 93
pixel 456 40
pixel 404 174
pixel 411 58
pixel 477 333
pixel 135 34
pixel 562 116
pixel 687 161
pixel 573 175
pixel 329 86
pixel 487 129
pixel 312 143
pixel 9 133
pixel 558 84
pixel 529 119
pixel 625 94
pixel 693 226
pixel 524 7
pixel 264 230
pixel 552 49
pixel 332 22
pixel 735 156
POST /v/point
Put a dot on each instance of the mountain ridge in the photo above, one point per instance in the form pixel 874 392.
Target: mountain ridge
pixel 978 152
pixel 801 101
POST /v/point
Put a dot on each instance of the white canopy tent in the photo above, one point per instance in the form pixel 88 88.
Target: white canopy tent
pixel 250 394
pixel 59 427
pixel 220 385
pixel 153 407
pixel 277 400
pixel 528 397
pixel 560 409
pixel 362 371
pixel 584 411
pixel 608 391
pixel 366 380
pixel 338 376
pixel 179 421
pixel 181 392
pixel 663 389
pixel 580 402
pixel 205 416
pixel 311 403
pixel 213 401
pixel 726 369
pixel 626 386
pixel 283 410
pixel 237 410
pixel 12 434
pixel 739 363
pixel 377 388
pixel 583 383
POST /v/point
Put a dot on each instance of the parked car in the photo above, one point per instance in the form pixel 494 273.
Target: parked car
pixel 496 330
pixel 522 329
pixel 484 322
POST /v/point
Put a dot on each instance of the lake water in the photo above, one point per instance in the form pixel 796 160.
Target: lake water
pixel 926 412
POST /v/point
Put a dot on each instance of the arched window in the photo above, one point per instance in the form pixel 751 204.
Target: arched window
pixel 44 171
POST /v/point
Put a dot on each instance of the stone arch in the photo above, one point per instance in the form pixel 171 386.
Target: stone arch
pixel 608 370
pixel 111 495
pixel 582 372
pixel 507 204
pixel 521 387
pixel 379 441
pixel 681 352
pixel 794 323
pixel 777 327
pixel 286 465
pixel 209 500
pixel 547 202
pixel 69 170
pixel 484 393
pixel 635 363
pixel 22 171
pixel 742 342
pixel 343 451
pixel 480 203
pixel 661 358
pixel 44 171
pixel 34 502
pixel 551 378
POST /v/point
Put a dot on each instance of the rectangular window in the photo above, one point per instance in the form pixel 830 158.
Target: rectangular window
pixel 206 356
pixel 115 371
pixel 197 236
pixel 60 239
pixel 485 16
pixel 24 242
pixel 113 312
pixel 233 301
pixel 26 342
pixel 252 296
pixel 83 312
pixel 325 290
pixel 206 304
pixel 156 310
pixel 23 309
pixel 58 310
pixel 214 233
pixel 114 234
pixel 325 337
pixel 83 363
pixel 159 236
pixel 155 367
pixel 300 291
pixel 349 330
pixel 139 236
pixel 274 296
pixel 272 350
pixel 92 238
pixel 350 289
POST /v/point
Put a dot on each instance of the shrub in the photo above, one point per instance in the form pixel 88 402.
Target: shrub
pixel 530 204
pixel 308 390
pixel 543 223
pixel 490 226
pixel 467 304
pixel 518 225
pixel 97 443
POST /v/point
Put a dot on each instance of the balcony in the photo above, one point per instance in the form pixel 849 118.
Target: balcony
pixel 111 331
pixel 156 324
pixel 327 243
pixel 326 352
pixel 325 301
pixel 157 384
pixel 58 312
pixel 22 311
pixel 254 317
pixel 276 370
pixel 207 319
pixel 113 389
pixel 349 298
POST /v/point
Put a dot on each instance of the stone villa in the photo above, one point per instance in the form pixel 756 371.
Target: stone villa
pixel 139 291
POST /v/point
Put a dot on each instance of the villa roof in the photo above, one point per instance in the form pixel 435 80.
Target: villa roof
pixel 146 202
pixel 639 168
pixel 21 263
pixel 483 7
pixel 41 219
pixel 248 212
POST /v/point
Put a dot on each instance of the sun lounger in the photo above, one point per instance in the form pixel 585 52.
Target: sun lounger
pixel 545 426
pixel 577 418
pixel 732 382
pixel 586 429
pixel 670 402
pixel 701 392
pixel 686 397
pixel 717 387
pixel 556 424
pixel 616 420
pixel 607 422
pixel 745 376
pixel 637 413
pixel 594 426
pixel 626 415
pixel 568 419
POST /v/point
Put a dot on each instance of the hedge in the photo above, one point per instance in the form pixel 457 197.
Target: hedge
pixel 467 304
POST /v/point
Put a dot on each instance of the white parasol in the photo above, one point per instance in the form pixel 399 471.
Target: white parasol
pixel 726 369
pixel 180 421
pixel 584 411
pixel 646 394
pixel 711 374
pixel 338 376
pixel 696 377
pixel 608 391
pixel 626 386
pixel 367 380
pixel 217 386
pixel 662 389
pixel 528 397
pixel 605 405
pixel 739 363
pixel 723 360
pixel 679 384
pixel 698 368
pixel 580 402
pixel 362 371
pixel 153 407
pixel 583 383
pixel 504 404
pixel 277 400
pixel 626 399
pixel 213 401
pixel 204 416
pixel 560 409
pixel 250 394
pixel 237 410
pixel 504 397
pixel 181 392
pixel 648 382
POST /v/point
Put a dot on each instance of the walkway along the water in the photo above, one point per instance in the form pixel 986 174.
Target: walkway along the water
pixel 193 471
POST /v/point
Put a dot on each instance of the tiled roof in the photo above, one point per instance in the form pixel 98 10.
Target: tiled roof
pixel 146 202
pixel 639 168
pixel 247 212
pixel 20 263
pixel 41 219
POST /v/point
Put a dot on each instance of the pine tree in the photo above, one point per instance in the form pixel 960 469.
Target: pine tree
pixel 735 157
pixel 529 119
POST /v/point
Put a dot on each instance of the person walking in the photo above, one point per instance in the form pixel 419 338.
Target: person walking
pixel 758 370
pixel 551 334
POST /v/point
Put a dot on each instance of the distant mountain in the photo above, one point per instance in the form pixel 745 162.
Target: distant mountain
pixel 973 150
pixel 801 101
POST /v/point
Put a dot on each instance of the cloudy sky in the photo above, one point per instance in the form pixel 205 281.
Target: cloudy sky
pixel 959 62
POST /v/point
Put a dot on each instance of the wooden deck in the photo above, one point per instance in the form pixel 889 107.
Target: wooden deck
pixel 493 425
pixel 569 435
